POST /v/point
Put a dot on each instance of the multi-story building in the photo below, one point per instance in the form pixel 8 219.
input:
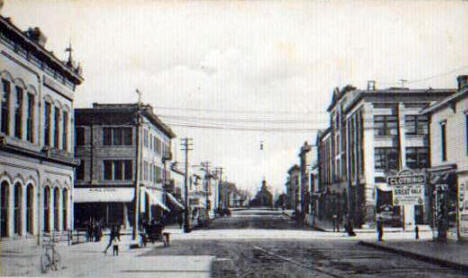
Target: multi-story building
pixel 374 134
pixel 324 182
pixel 36 134
pixel 293 189
pixel 448 120
pixel 305 158
pixel 123 151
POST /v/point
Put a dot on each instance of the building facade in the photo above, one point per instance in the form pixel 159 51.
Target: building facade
pixel 293 189
pixel 449 163
pixel 374 134
pixel 123 151
pixel 36 134
pixel 305 159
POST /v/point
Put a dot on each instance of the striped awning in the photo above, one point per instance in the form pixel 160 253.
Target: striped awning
pixel 173 200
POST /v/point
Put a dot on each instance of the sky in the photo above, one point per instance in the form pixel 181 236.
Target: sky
pixel 246 72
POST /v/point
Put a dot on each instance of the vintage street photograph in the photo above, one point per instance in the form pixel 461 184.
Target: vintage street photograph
pixel 234 138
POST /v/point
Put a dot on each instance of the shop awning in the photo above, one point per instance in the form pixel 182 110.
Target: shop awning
pixel 103 195
pixel 198 206
pixel 155 201
pixel 173 200
pixel 383 187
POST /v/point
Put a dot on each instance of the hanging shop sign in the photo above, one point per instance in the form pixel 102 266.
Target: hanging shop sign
pixel 463 207
pixel 407 189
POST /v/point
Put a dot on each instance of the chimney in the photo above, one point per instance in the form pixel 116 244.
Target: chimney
pixel 462 81
pixel 371 85
pixel 36 35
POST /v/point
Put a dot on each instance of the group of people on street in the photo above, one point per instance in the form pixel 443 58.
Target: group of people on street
pixel 94 231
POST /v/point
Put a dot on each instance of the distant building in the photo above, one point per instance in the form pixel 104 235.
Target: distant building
pixel 36 134
pixel 373 134
pixel 448 187
pixel 263 198
pixel 293 189
pixel 305 159
pixel 123 151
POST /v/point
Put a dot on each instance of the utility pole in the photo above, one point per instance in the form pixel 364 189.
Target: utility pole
pixel 206 168
pixel 139 155
pixel 219 171
pixel 187 145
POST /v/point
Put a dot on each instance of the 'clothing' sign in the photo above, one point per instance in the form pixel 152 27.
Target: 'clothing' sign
pixel 407 189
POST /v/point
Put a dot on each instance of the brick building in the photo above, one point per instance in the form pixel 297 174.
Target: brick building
pixel 373 134
pixel 123 151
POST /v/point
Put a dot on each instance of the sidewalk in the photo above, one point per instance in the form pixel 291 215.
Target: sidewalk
pixel 22 258
pixel 452 254
pixel 327 226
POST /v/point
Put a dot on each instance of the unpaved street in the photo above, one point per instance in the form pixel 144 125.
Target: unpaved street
pixel 317 256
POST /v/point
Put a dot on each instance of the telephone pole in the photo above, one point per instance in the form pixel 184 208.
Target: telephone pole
pixel 219 171
pixel 206 168
pixel 187 145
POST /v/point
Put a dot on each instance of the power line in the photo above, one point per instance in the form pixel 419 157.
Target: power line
pixel 237 111
pixel 437 75
pixel 243 120
pixel 245 128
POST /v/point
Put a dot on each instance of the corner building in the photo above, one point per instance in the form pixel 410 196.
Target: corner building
pixel 36 135
pixel 122 149
pixel 374 134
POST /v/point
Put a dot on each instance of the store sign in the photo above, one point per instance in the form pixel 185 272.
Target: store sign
pixel 407 189
pixel 463 205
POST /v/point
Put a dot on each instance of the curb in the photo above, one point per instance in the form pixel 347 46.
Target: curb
pixel 458 266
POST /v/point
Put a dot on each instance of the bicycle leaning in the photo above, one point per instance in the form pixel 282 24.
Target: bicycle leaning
pixel 50 258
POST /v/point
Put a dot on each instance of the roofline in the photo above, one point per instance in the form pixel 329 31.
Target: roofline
pixel 41 49
pixel 133 107
pixel 445 102
pixel 391 93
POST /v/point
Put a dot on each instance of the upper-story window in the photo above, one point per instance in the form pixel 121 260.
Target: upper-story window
pixel 117 169
pixel 443 140
pixel 386 159
pixel 416 124
pixel 385 125
pixel 80 136
pixel 65 130
pixel 117 136
pixel 145 138
pixel 5 107
pixel 56 126
pixel 417 157
pixel 47 121
pixel 80 170
pixel 19 112
pixel 466 132
pixel 30 117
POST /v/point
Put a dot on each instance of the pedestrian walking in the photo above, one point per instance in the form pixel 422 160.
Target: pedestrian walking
pixel 380 229
pixel 334 222
pixel 89 232
pixel 180 220
pixel 115 246
pixel 112 235
pixel 416 231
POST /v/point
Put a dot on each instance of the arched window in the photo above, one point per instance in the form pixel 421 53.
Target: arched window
pixel 64 208
pixel 5 191
pixel 5 106
pixel 30 106
pixel 18 110
pixel 29 208
pixel 46 209
pixel 17 209
pixel 56 209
